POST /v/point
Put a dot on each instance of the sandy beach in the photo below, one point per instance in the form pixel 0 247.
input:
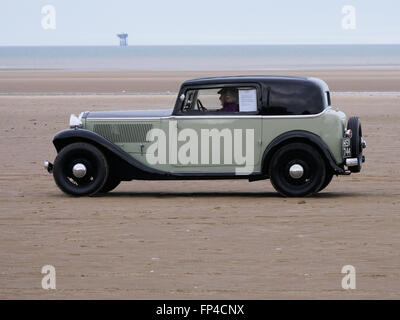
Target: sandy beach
pixel 192 239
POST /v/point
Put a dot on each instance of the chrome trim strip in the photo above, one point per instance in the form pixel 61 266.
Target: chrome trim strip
pixel 218 117
pixel 122 119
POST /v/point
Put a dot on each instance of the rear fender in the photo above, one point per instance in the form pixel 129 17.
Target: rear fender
pixel 299 136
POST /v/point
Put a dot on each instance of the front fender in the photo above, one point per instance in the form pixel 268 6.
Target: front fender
pixel 68 136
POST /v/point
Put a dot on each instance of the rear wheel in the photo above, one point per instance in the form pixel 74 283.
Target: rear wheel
pixel 80 169
pixel 327 181
pixel 297 170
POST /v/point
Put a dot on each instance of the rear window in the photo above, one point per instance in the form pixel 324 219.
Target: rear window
pixel 294 99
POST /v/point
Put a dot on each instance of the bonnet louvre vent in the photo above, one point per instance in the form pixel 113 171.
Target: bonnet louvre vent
pixel 129 133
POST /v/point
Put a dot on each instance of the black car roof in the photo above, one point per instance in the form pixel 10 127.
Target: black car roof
pixel 256 78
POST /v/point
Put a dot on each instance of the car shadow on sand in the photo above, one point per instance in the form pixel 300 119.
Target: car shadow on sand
pixel 224 194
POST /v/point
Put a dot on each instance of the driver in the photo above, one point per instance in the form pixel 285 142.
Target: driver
pixel 229 99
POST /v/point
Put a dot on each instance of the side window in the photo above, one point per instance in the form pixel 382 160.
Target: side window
pixel 220 100
pixel 210 100
pixel 295 99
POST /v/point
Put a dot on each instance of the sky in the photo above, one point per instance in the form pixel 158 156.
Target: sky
pixel 206 22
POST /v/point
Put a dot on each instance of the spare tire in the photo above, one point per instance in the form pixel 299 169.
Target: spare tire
pixel 354 124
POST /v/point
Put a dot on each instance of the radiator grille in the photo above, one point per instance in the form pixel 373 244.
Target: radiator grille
pixel 129 133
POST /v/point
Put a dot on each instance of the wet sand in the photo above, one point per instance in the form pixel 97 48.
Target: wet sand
pixel 56 82
pixel 192 239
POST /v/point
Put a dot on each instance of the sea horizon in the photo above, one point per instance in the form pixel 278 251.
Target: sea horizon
pixel 201 57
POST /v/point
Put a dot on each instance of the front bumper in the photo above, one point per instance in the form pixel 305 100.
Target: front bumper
pixel 48 166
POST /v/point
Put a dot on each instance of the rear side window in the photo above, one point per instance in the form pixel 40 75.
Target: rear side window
pixel 294 99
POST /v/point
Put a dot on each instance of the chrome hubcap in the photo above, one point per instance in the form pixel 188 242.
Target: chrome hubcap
pixel 79 170
pixel 296 171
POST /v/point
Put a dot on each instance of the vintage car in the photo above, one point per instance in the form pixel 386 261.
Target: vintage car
pixel 281 128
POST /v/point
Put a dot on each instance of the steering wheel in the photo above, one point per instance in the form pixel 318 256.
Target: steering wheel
pixel 200 105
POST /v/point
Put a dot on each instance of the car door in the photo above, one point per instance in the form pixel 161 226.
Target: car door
pixel 211 139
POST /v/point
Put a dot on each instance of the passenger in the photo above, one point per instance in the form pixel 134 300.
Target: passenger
pixel 229 98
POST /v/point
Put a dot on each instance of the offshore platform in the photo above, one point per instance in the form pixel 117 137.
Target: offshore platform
pixel 122 39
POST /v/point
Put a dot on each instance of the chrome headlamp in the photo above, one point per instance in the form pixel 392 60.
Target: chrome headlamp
pixel 75 122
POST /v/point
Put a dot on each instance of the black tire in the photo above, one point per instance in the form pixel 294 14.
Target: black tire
pixel 308 158
pixel 327 181
pixel 110 184
pixel 93 160
pixel 354 124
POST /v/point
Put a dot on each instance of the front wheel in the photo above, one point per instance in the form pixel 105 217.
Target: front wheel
pixel 80 169
pixel 110 184
pixel 297 170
